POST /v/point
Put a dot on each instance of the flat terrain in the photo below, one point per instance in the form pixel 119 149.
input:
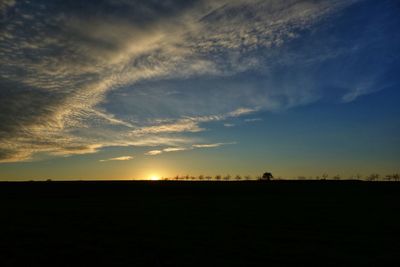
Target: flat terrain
pixel 327 223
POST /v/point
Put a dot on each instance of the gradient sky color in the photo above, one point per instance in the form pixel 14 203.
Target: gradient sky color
pixel 118 89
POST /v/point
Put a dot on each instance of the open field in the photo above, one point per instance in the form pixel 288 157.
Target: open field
pixel 329 223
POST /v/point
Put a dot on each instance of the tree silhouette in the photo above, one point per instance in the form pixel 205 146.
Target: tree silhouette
pixel 217 177
pixel 267 176
pixel 336 177
pixel 388 177
pixel 247 177
pixel 238 177
pixel 373 177
pixel 325 176
pixel 227 177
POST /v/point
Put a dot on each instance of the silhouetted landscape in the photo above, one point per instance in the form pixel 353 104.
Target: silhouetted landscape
pixel 169 223
pixel 199 133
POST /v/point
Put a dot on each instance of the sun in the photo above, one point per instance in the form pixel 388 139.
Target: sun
pixel 154 177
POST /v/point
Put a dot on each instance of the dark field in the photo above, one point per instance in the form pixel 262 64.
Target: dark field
pixel 298 223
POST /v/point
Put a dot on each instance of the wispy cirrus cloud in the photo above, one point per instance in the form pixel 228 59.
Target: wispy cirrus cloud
pixel 189 124
pixel 153 152
pixel 253 119
pixel 5 4
pixel 166 150
pixel 194 146
pixel 212 145
pixel 62 67
pixel 123 158
pixel 174 149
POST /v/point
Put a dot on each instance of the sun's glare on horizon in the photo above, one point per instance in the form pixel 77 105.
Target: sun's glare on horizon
pixel 154 177
pixel 160 90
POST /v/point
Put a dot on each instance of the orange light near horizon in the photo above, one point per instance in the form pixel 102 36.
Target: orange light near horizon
pixel 154 177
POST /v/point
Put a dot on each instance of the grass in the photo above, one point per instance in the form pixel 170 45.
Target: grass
pixel 170 223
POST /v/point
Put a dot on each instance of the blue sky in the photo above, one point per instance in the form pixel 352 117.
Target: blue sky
pixel 119 89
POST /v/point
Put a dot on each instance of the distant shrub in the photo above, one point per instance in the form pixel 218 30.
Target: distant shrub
pixel 373 177
pixel 227 177
pixel 336 177
pixel 392 177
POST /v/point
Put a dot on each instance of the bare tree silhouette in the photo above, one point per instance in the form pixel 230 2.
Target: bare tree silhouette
pixel 227 177
pixel 373 177
pixel 238 177
pixel 336 177
pixel 325 176
pixel 388 177
pixel 217 177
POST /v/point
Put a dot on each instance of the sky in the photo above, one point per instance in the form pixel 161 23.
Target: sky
pixel 119 89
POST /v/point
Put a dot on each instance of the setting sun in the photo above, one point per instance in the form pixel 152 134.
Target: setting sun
pixel 154 177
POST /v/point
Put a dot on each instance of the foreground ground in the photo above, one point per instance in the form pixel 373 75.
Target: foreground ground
pixel 200 223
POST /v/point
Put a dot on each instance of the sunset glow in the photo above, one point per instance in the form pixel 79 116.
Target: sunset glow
pixel 199 132
pixel 154 177
pixel 111 89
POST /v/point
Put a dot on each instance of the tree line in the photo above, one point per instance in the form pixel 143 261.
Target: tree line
pixel 325 176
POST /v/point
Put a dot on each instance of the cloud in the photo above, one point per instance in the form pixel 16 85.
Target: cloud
pixel 123 158
pixel 212 145
pixel 5 4
pixel 229 124
pixel 189 124
pixel 253 120
pixel 153 152
pixel 168 149
pixel 174 149
pixel 194 146
pixel 61 68
pixel 184 125
pixel 241 112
